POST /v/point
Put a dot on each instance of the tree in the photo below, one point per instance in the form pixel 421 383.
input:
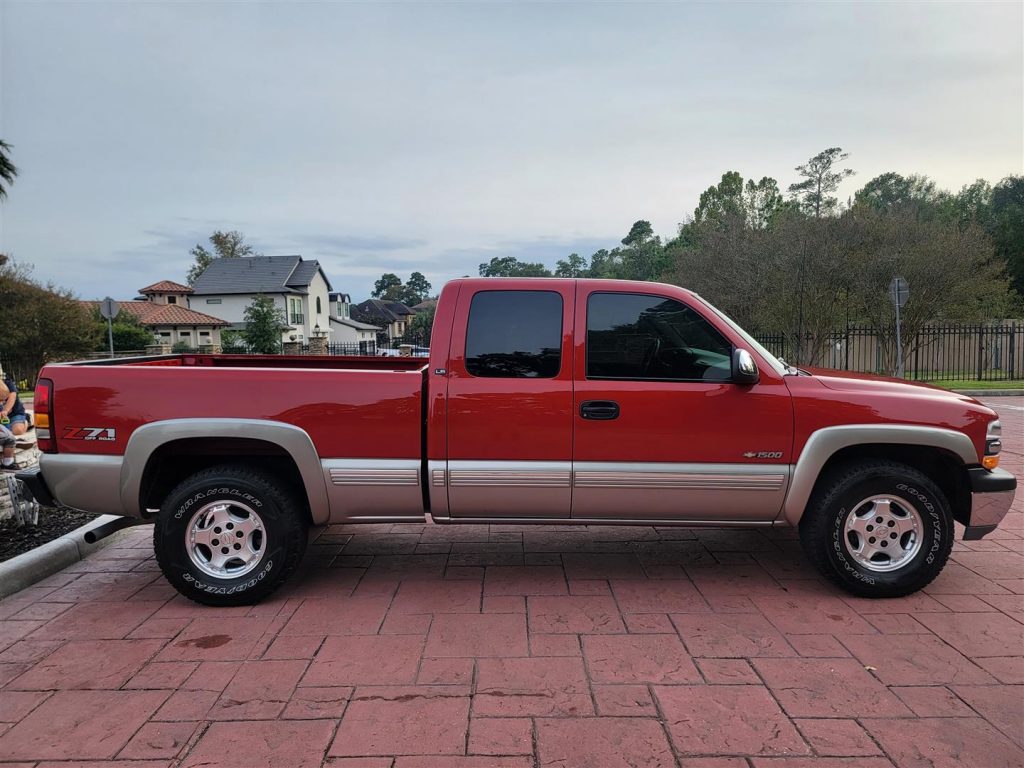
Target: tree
pixel 814 193
pixel 1007 226
pixel 640 234
pixel 420 326
pixel 574 266
pixel 388 287
pixel 720 200
pixel 7 169
pixel 416 289
pixel 226 245
pixel 891 191
pixel 762 202
pixel 510 266
pixel 806 277
pixel 41 323
pixel 263 324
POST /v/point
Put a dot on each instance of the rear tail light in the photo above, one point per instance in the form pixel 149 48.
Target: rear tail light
pixel 43 405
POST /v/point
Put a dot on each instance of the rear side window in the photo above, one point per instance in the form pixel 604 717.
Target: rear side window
pixel 638 336
pixel 515 335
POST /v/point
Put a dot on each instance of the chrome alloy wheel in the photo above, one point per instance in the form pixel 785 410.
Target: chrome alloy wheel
pixel 225 539
pixel 883 533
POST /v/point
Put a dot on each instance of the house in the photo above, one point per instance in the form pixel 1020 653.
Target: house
pixel 392 315
pixel 164 311
pixel 297 286
pixel 345 330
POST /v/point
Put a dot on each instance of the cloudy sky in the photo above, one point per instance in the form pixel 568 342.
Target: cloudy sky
pixel 431 137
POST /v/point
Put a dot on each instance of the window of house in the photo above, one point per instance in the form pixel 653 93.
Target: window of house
pixel 637 336
pixel 213 301
pixel 204 333
pixel 185 334
pixel 172 299
pixel 515 335
pixel 318 310
pixel 165 334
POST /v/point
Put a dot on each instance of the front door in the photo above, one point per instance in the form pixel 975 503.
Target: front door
pixel 509 405
pixel 660 430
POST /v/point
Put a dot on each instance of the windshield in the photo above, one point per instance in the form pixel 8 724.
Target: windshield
pixel 780 368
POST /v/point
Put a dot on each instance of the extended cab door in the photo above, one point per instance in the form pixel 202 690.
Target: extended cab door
pixel 509 404
pixel 660 430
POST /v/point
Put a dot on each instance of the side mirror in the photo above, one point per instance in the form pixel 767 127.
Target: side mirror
pixel 744 369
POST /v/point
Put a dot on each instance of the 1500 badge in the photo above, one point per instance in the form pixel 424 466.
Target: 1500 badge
pixel 762 455
pixel 104 434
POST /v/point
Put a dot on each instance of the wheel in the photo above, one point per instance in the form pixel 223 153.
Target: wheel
pixel 878 529
pixel 229 536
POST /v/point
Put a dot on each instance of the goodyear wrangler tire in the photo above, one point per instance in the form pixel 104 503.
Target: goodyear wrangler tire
pixel 878 529
pixel 229 536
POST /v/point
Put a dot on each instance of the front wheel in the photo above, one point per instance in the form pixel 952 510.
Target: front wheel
pixel 229 536
pixel 878 529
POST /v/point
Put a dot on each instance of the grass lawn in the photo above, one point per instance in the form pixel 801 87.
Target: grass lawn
pixel 976 384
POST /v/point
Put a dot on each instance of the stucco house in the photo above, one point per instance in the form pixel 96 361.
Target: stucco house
pixel 296 285
pixel 164 311
pixel 345 330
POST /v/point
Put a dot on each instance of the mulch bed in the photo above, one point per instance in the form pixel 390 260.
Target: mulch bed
pixel 53 523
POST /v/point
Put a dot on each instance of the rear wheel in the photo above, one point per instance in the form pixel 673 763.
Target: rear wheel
pixel 878 529
pixel 229 536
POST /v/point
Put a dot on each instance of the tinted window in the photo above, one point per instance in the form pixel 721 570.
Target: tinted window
pixel 633 336
pixel 514 334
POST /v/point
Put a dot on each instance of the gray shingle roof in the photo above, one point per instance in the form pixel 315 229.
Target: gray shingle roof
pixel 354 324
pixel 258 274
pixel 381 309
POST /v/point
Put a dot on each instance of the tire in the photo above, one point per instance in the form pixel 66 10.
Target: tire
pixel 229 536
pixel 841 535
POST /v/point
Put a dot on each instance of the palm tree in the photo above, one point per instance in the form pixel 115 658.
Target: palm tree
pixel 7 169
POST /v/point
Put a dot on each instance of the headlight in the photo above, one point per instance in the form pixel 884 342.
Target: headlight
pixel 993 445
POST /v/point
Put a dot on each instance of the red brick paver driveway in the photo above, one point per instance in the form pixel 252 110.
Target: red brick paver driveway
pixel 413 645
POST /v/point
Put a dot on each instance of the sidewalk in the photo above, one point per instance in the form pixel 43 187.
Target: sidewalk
pixel 412 645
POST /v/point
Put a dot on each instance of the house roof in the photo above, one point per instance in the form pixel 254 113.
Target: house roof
pixel 165 286
pixel 259 274
pixel 150 314
pixel 423 306
pixel 355 324
pixel 391 311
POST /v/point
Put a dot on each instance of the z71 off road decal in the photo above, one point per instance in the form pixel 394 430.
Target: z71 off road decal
pixel 105 434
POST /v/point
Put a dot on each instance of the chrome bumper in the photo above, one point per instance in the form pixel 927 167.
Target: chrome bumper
pixel 991 496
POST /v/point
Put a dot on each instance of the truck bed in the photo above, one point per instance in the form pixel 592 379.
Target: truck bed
pixel 351 407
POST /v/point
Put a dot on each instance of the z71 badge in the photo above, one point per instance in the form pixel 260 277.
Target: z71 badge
pixel 104 434
pixel 762 455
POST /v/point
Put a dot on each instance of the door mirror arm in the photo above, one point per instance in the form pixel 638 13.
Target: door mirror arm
pixel 744 369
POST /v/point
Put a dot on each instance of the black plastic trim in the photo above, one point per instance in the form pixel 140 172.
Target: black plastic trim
pixel 36 485
pixel 994 481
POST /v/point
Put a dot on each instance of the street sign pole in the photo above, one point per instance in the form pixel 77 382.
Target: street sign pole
pixel 109 309
pixel 899 292
pixel 899 344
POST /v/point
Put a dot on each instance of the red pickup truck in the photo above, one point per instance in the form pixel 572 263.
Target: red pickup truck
pixel 543 400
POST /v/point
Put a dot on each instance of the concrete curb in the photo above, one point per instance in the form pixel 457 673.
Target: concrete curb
pixel 35 565
pixel 990 392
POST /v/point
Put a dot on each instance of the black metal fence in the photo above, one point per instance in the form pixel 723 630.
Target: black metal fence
pixel 939 352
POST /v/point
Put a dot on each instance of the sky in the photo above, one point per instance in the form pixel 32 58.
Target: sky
pixel 424 136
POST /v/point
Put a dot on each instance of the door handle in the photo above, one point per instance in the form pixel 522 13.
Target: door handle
pixel 599 410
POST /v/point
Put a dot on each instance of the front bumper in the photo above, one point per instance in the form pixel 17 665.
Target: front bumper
pixel 992 494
